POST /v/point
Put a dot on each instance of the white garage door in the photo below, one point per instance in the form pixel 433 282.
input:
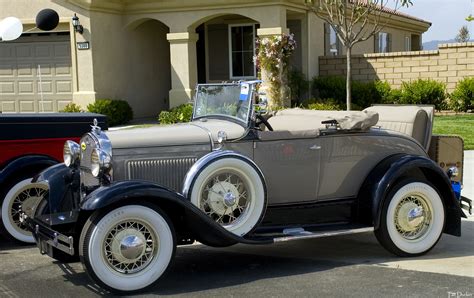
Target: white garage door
pixel 27 62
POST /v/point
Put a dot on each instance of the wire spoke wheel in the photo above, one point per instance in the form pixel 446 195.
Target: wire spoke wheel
pixel 130 246
pixel 22 197
pixel 225 198
pixel 412 217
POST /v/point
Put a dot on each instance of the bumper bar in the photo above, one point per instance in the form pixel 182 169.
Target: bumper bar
pixel 47 239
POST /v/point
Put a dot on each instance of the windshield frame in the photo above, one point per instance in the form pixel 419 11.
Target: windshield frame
pixel 248 117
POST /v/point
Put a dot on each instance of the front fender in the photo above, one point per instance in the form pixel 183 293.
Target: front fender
pixel 24 164
pixel 59 179
pixel 177 207
pixel 388 172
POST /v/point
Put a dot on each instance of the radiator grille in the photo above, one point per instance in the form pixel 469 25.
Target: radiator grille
pixel 87 179
pixel 166 172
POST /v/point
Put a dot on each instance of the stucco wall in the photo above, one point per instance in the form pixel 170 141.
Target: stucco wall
pixel 449 64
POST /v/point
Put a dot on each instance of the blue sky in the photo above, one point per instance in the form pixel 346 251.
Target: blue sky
pixel 447 17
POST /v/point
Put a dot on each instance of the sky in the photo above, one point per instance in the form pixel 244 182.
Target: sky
pixel 446 16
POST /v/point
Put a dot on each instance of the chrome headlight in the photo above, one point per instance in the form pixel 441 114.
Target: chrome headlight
pixel 71 153
pixel 101 162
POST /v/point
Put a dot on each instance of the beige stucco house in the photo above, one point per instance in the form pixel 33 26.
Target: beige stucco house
pixel 153 52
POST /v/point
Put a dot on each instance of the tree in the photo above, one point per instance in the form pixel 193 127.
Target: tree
pixel 355 21
pixel 463 35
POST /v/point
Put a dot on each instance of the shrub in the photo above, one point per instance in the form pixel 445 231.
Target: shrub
pixel 324 104
pixel 329 87
pixel 179 114
pixel 298 86
pixel 424 92
pixel 72 108
pixel 117 111
pixel 462 98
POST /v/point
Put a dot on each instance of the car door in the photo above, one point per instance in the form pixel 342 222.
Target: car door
pixel 290 167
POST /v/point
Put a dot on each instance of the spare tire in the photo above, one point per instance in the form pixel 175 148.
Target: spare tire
pixel 232 192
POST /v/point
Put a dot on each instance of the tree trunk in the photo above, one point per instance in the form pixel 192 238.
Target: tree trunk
pixel 349 78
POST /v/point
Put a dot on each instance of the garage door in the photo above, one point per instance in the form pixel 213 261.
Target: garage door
pixel 36 73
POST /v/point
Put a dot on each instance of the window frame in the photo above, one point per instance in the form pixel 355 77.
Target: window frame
pixel 387 41
pixel 231 69
pixel 408 46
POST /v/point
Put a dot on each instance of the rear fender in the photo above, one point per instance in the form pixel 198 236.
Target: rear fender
pixel 181 211
pixel 30 164
pixel 389 171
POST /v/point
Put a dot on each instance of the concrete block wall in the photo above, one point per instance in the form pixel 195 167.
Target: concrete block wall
pixel 449 64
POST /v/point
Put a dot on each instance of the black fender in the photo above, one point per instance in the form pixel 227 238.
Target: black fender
pixel 389 171
pixel 60 179
pixel 21 166
pixel 181 211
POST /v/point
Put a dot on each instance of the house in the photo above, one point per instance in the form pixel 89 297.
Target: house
pixel 153 52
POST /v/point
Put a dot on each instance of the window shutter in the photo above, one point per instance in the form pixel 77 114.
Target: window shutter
pixel 327 39
pixel 376 43
pixel 389 42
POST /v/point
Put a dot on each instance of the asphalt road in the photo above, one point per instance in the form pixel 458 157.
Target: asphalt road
pixel 354 265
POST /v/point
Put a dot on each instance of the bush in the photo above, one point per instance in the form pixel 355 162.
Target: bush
pixel 298 86
pixel 72 108
pixel 424 92
pixel 462 98
pixel 324 104
pixel 179 114
pixel 117 111
pixel 329 87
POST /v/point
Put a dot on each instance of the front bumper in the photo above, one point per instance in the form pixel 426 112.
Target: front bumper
pixel 47 238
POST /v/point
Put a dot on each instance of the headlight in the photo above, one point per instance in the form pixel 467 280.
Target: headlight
pixel 101 162
pixel 71 153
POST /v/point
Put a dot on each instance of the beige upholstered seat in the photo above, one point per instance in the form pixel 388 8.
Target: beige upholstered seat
pixel 299 119
pixel 415 121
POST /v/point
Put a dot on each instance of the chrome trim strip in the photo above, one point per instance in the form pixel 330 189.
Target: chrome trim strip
pixel 310 235
pixel 208 158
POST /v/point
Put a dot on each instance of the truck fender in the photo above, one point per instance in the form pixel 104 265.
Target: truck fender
pixel 25 164
pixel 387 173
pixel 181 211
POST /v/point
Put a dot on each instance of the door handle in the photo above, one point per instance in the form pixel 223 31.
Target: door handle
pixel 315 147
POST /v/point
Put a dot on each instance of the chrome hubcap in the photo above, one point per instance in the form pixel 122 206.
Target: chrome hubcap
pixel 412 217
pixel 225 198
pixel 130 246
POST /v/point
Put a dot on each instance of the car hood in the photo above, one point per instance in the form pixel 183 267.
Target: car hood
pixel 196 132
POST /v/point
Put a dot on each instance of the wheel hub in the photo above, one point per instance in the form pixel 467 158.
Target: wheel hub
pixel 223 198
pixel 128 246
pixel 410 216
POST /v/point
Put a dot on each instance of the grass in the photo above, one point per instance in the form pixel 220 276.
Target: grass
pixel 461 125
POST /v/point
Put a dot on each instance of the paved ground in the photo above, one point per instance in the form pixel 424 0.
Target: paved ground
pixel 354 265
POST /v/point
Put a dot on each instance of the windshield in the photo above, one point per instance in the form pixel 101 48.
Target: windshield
pixel 230 100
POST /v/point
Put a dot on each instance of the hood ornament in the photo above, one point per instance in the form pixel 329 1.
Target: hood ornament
pixel 95 127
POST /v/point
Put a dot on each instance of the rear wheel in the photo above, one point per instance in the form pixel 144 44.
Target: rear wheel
pixel 23 196
pixel 412 219
pixel 128 248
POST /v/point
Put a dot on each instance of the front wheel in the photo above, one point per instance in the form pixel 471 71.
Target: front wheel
pixel 412 219
pixel 127 249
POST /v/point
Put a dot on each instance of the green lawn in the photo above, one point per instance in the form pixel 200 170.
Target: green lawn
pixel 461 125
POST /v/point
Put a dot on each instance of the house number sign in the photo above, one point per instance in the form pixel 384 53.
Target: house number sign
pixel 84 45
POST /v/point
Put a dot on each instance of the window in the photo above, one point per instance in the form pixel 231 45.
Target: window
pixel 242 50
pixel 408 43
pixel 333 45
pixel 383 43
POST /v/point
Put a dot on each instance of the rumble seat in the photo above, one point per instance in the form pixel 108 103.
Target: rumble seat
pixel 415 121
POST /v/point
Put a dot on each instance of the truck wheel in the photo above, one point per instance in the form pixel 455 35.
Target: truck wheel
pixel 127 249
pixel 24 196
pixel 232 193
pixel 412 219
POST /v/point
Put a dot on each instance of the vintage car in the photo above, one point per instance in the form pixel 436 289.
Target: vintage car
pixel 123 200
pixel 30 143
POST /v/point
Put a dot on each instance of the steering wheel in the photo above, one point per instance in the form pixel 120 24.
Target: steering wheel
pixel 264 121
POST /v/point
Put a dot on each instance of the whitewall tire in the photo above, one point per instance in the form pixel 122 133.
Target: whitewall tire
pixel 24 196
pixel 127 249
pixel 413 218
pixel 232 193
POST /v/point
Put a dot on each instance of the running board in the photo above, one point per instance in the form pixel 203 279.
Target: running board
pixel 301 234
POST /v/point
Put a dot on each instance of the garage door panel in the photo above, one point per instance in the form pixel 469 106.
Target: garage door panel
pixel 20 79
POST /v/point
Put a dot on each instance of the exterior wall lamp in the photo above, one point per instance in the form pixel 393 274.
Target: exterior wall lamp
pixel 77 25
